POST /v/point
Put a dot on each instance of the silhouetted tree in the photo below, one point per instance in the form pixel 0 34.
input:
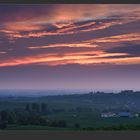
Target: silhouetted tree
pixel 4 115
pixel 43 108
pixel 11 118
pixel 42 121
pixel 22 120
pixel 35 107
pixel 4 119
pixel 62 123
pixel 27 107
pixel 3 125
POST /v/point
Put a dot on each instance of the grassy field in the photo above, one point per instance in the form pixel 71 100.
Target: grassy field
pixel 90 120
pixel 34 127
pixel 85 120
pixel 86 110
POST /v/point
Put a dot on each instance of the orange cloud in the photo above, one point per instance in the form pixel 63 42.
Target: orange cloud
pixel 65 45
pixel 65 22
pixel 92 43
pixel 79 57
pixel 118 38
pixel 22 26
pixel 69 29
pixel 64 18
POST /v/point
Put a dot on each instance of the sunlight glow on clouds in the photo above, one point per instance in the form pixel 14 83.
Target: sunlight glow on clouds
pixel 79 58
pixel 52 34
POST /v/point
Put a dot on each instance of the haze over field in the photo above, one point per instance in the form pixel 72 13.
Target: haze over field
pixel 52 46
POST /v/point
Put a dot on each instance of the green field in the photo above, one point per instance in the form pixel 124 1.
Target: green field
pixel 75 112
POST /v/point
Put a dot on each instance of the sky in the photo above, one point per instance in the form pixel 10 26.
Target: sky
pixel 70 46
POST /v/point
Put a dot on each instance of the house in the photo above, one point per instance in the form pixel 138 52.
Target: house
pixel 136 115
pixel 124 114
pixel 108 114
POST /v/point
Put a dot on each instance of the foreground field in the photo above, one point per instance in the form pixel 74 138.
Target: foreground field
pixel 82 121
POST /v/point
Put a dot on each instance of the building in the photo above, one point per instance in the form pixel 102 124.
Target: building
pixel 136 115
pixel 108 114
pixel 124 114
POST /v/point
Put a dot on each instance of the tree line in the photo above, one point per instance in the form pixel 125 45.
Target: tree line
pixel 32 114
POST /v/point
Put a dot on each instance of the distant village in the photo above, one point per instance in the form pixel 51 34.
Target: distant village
pixel 121 92
pixel 125 114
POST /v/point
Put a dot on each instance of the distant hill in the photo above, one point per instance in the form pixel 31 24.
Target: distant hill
pixel 98 100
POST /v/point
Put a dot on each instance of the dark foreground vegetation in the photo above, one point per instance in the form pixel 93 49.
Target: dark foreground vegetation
pixel 70 112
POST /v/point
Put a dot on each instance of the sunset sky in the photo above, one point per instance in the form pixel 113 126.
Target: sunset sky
pixel 70 46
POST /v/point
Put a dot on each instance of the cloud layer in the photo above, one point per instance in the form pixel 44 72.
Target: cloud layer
pixel 69 34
